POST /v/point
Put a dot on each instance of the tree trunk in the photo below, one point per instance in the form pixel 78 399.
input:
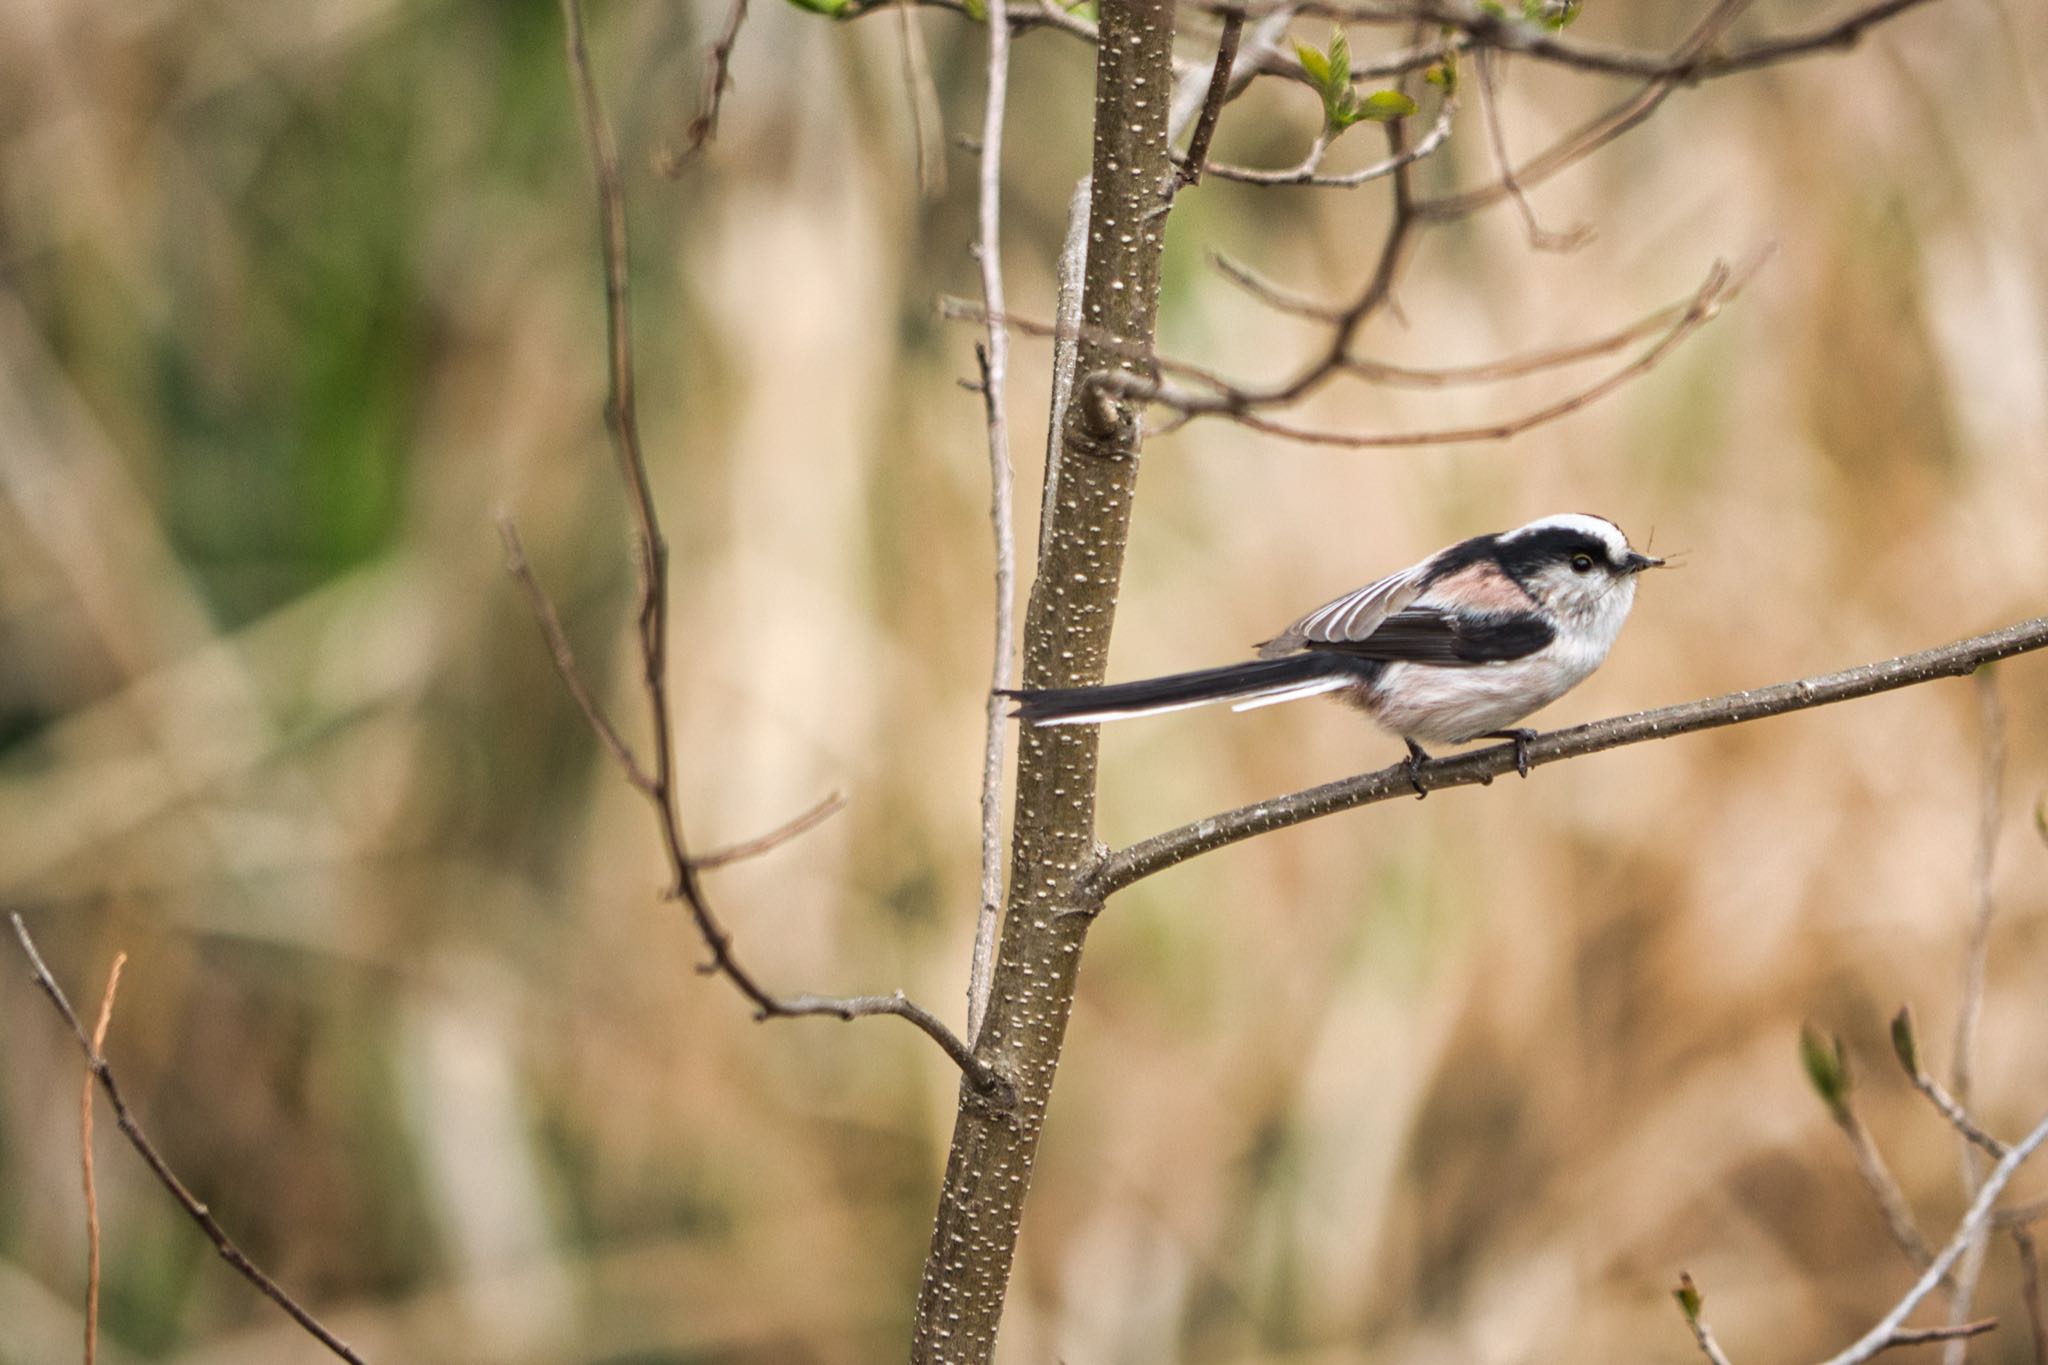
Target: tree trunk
pixel 1066 642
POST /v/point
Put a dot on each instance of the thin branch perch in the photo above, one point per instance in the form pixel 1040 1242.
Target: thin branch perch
pixel 1161 851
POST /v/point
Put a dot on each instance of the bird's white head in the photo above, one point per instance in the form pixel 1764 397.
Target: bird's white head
pixel 1579 567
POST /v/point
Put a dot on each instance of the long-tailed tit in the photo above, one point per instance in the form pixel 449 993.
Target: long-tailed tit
pixel 1458 647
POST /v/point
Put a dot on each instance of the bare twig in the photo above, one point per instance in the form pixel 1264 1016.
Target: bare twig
pixel 1383 372
pixel 92 1193
pixel 1497 30
pixel 1954 1331
pixel 1271 294
pixel 1945 1104
pixel 1829 1070
pixel 1308 170
pixel 1377 293
pixel 1475 27
pixel 927 119
pixel 1991 726
pixel 1530 362
pixel 1720 286
pixel 1024 18
pixel 2021 1215
pixel 994 359
pixel 1691 1303
pixel 1884 1335
pixel 550 622
pixel 1906 1048
pixel 659 787
pixel 132 1130
pixel 717 80
pixel 1883 1186
pixel 1066 332
pixel 1602 129
pixel 825 809
pixel 1489 103
pixel 2030 1290
pixel 1212 103
pixel 1127 865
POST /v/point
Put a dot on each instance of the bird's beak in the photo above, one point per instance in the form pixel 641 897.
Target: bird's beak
pixel 1636 563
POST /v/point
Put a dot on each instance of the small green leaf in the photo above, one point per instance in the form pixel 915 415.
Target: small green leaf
pixel 1903 1043
pixel 1550 14
pixel 1494 8
pixel 1444 74
pixel 1340 59
pixel 1827 1066
pixel 1384 106
pixel 1688 1296
pixel 1316 65
pixel 828 8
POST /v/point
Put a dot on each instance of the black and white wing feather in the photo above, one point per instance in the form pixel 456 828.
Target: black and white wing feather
pixel 1354 617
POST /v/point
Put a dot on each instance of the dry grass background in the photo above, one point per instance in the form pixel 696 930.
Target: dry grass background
pixel 293 299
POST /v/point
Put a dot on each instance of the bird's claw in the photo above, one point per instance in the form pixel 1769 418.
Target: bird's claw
pixel 1417 756
pixel 1521 740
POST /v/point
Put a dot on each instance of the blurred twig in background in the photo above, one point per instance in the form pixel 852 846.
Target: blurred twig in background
pixel 993 359
pixel 717 80
pixel 132 1130
pixel 92 1194
pixel 656 780
pixel 1970 1006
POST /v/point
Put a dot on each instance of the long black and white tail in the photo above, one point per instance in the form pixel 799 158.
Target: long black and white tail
pixel 1259 682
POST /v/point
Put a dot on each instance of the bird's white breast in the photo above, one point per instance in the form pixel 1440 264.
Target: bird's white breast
pixel 1431 703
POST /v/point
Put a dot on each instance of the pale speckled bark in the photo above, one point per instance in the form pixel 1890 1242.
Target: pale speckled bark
pixel 1066 642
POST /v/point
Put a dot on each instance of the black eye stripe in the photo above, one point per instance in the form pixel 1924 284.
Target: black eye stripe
pixel 1553 545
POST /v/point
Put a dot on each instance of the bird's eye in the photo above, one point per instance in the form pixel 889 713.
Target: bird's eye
pixel 1582 563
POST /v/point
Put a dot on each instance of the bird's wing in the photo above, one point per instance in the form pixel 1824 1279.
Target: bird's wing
pixel 1354 616
pixel 1427 635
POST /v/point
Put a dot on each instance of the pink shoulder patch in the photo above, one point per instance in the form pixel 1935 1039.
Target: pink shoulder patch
pixel 1482 586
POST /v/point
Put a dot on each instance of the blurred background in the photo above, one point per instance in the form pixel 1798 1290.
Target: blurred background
pixel 294 300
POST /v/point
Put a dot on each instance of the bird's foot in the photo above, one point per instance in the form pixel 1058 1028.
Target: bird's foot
pixel 1417 756
pixel 1521 739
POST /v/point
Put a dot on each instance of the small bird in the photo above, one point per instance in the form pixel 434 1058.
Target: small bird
pixel 1456 648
